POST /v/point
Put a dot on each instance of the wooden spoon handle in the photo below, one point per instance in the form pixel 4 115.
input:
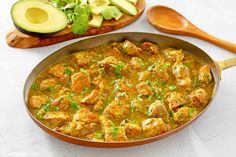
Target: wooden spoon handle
pixel 217 41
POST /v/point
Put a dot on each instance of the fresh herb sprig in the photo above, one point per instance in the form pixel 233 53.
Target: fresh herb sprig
pixel 77 12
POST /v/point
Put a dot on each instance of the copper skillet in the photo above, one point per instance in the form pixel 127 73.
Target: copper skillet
pixel 162 40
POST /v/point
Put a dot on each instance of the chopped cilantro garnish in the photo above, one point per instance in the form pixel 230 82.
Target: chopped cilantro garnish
pixel 171 114
pixel 172 87
pixel 74 105
pixel 196 82
pixel 70 95
pixel 164 66
pixel 86 90
pixel 56 108
pixel 190 111
pixel 128 84
pixel 99 135
pixel 68 71
pixel 35 86
pixel 118 67
pixel 115 131
pixel 50 88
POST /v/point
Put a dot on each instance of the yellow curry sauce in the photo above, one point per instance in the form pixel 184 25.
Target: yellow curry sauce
pixel 121 92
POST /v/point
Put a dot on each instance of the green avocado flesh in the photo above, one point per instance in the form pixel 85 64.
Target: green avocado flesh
pixel 36 16
pixel 125 6
pixel 110 12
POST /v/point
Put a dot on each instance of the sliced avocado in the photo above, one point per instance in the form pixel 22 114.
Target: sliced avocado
pixel 37 17
pixel 125 6
pixel 133 1
pixel 97 10
pixel 96 21
pixel 96 3
pixel 110 12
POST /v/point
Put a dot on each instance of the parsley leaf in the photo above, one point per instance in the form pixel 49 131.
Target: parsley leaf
pixel 68 71
pixel 81 19
pixel 118 67
pixel 172 87
pixel 35 86
pixel 74 105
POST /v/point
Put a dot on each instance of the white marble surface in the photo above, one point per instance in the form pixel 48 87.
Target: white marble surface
pixel 213 134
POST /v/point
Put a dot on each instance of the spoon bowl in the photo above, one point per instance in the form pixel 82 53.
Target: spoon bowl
pixel 168 20
pixel 163 17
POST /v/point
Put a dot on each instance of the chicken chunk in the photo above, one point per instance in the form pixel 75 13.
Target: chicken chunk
pixel 81 58
pixel 175 100
pixel 62 102
pixel 122 85
pixel 79 81
pixel 129 48
pixel 116 110
pixel 182 114
pixel 61 72
pixel 137 106
pixel 179 70
pixel 150 48
pixel 184 83
pixel 153 126
pixel 48 83
pixel 77 129
pixel 105 122
pixel 136 63
pixel 115 134
pixel 132 130
pixel 157 109
pixel 205 74
pixel 99 82
pixel 56 118
pixel 99 106
pixel 144 75
pixel 84 115
pixel 92 98
pixel 144 89
pixel 37 101
pixel 161 70
pixel 173 54
pixel 108 62
pixel 199 97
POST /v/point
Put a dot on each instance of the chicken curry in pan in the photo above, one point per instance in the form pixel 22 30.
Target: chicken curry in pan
pixel 121 91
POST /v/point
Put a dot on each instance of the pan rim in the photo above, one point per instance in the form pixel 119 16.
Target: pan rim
pixel 122 143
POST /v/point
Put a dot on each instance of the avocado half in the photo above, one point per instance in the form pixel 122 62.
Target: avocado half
pixel 37 18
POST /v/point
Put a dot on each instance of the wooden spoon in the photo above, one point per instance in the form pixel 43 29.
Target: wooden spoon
pixel 168 20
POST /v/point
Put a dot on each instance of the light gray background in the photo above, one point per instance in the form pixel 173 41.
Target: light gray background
pixel 213 134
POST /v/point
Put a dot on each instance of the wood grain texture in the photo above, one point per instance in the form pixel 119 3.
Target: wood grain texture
pixel 17 39
pixel 168 20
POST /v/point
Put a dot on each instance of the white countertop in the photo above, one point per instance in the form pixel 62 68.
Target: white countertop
pixel 213 134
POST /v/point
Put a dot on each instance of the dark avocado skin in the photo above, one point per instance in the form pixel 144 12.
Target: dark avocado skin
pixel 40 35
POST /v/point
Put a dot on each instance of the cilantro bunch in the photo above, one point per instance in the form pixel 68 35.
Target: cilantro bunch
pixel 77 12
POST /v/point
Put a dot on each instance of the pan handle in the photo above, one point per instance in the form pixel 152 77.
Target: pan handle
pixel 225 64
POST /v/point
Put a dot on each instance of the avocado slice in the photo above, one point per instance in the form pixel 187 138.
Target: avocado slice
pixel 97 10
pixel 96 21
pixel 110 12
pixel 125 6
pixel 96 3
pixel 37 17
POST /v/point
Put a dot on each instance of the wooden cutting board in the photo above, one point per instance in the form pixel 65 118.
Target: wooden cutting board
pixel 17 39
